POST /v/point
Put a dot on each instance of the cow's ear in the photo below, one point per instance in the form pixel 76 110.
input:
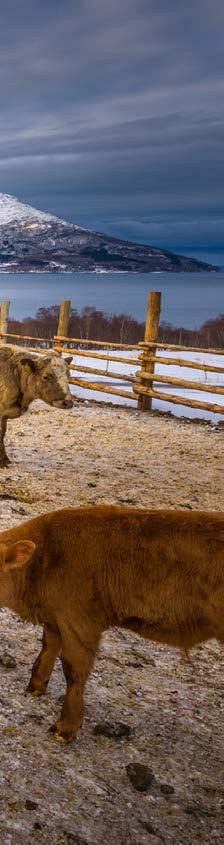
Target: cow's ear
pixel 16 555
pixel 68 360
pixel 29 364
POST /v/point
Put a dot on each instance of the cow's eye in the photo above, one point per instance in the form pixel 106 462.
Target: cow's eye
pixel 47 378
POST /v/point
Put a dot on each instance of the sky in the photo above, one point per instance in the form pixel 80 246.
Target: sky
pixel 112 115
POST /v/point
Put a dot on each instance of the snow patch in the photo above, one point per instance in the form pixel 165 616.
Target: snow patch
pixel 13 211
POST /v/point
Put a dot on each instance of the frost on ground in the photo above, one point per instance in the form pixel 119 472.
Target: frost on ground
pixel 86 793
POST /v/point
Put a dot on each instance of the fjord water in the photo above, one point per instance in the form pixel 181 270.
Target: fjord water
pixel 188 299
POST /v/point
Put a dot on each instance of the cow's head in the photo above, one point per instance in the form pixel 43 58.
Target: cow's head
pixel 47 378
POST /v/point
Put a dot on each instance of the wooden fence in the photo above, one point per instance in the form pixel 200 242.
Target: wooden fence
pixel 142 384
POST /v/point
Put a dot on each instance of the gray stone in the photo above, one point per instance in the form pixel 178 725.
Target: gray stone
pixel 116 730
pixel 140 776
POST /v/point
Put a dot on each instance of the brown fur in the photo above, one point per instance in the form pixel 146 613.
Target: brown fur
pixel 82 571
pixel 25 377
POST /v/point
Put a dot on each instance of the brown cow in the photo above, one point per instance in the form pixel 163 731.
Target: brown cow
pixel 81 571
pixel 25 377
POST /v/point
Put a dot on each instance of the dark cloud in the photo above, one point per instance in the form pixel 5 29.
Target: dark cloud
pixel 112 115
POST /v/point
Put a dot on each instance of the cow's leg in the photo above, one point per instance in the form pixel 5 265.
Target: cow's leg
pixel 44 664
pixel 77 661
pixel 4 460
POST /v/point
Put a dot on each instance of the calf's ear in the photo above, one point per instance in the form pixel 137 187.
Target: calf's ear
pixel 68 360
pixel 17 555
pixel 29 364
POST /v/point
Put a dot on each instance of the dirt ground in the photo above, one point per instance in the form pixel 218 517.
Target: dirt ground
pixel 171 710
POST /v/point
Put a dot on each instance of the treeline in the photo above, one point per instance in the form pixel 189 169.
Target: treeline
pixel 93 324
pixel 209 335
pixel 90 324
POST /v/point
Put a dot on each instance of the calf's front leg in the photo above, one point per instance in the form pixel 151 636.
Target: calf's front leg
pixel 77 660
pixel 44 664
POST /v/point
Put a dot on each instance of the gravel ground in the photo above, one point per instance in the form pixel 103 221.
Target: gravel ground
pixel 145 705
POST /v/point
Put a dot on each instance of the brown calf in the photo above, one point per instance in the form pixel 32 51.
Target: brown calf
pixel 81 571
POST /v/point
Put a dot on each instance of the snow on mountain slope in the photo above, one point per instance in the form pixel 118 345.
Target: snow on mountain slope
pixel 34 241
pixel 13 211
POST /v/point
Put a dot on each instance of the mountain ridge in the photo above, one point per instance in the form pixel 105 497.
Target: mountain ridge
pixel 36 241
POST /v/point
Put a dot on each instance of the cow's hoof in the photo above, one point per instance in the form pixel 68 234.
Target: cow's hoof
pixel 30 690
pixel 60 734
pixel 35 692
pixel 4 463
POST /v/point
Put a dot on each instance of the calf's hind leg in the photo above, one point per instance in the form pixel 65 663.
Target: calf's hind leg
pixel 44 664
pixel 77 660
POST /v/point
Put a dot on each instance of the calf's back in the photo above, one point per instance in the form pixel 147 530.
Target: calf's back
pixel 160 573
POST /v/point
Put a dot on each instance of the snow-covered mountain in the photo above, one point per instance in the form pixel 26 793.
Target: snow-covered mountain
pixel 33 241
pixel 13 211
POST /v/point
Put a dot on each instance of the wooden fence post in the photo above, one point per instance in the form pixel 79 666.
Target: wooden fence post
pixel 63 321
pixel 151 334
pixel 4 314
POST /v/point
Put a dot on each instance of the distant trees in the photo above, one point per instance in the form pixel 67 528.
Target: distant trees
pixel 209 335
pixel 213 332
pixel 93 324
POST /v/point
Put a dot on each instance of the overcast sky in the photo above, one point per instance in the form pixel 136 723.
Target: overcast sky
pixel 112 113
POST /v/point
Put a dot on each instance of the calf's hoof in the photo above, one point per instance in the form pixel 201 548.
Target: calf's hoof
pixel 60 733
pixel 4 462
pixel 36 691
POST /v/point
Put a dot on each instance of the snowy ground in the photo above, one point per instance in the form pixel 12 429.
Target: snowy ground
pixel 178 372
pixel 81 794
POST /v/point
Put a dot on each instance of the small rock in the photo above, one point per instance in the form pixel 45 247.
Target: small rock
pixel 8 496
pixel 31 805
pixel 141 776
pixel 91 484
pixel 37 826
pixel 22 511
pixel 198 810
pixel 7 661
pixel 113 731
pixel 74 838
pixel 148 826
pixel 36 717
pixel 167 788
pixel 142 663
pixel 126 500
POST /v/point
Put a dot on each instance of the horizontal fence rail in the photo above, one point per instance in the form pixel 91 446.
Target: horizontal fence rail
pixel 179 400
pixel 101 357
pixel 175 346
pixel 143 384
pixel 27 337
pixel 183 362
pixel 100 343
pixel 99 372
pixel 192 385
pixel 103 388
